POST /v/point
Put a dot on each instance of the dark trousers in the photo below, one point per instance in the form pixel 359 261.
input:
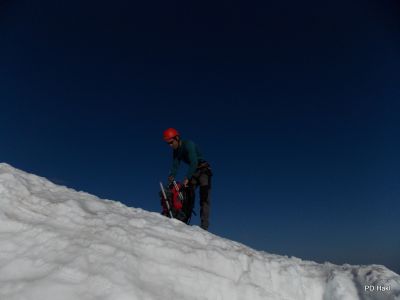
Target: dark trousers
pixel 202 178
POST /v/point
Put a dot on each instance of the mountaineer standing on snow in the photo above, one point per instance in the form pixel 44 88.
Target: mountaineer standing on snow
pixel 198 174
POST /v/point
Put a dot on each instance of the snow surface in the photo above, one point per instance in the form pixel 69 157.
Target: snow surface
pixel 60 244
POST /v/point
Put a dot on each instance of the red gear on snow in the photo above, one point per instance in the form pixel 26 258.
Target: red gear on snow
pixel 175 202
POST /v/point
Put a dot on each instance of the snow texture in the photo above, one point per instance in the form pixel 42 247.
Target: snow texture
pixel 60 244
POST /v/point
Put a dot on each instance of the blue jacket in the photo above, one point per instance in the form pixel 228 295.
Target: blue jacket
pixel 189 153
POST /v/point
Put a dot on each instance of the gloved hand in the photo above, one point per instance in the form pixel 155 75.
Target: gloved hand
pixel 171 178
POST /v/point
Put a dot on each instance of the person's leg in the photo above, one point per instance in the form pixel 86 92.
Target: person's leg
pixel 205 199
pixel 191 195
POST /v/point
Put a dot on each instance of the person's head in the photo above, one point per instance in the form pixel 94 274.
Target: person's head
pixel 171 137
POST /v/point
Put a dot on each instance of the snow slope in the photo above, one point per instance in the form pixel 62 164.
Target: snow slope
pixel 59 244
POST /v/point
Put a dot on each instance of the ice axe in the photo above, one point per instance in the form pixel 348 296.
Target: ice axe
pixel 166 200
pixel 177 189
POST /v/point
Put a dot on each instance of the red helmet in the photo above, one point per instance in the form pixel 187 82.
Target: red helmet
pixel 170 133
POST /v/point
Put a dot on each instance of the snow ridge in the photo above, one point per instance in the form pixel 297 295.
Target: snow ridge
pixel 57 243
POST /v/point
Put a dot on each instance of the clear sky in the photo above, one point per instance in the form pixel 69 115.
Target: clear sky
pixel 294 103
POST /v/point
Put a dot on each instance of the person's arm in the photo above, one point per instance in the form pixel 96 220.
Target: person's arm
pixel 192 154
pixel 175 166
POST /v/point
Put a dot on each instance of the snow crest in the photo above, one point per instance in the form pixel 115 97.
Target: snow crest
pixel 57 243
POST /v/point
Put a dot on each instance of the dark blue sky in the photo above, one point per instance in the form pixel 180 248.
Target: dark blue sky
pixel 295 105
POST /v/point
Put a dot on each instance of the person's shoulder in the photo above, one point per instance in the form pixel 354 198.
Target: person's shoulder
pixel 188 143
